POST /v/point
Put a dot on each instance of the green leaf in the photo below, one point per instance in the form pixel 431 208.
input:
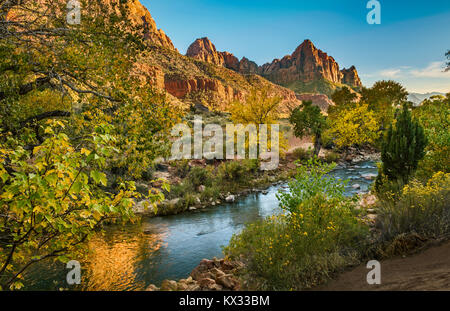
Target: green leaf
pixel 99 177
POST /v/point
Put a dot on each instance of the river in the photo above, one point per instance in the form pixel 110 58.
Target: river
pixel 134 256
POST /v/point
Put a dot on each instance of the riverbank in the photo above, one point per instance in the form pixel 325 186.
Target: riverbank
pixel 427 268
pixel 245 179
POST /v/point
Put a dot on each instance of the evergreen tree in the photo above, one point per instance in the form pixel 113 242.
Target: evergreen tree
pixel 402 148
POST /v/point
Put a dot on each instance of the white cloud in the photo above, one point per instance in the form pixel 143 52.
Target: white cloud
pixel 390 73
pixel 430 78
pixel 433 70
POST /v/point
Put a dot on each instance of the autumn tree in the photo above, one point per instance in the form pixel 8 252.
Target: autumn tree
pixel 353 126
pixel 258 108
pixel 309 120
pixel 434 116
pixel 73 112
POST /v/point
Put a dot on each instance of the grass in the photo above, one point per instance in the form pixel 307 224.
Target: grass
pixel 417 209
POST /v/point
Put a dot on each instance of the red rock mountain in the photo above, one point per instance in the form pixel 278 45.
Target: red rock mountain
pixel 203 49
pixel 141 16
pixel 307 64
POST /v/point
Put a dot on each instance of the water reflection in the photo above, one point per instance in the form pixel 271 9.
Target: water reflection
pixel 135 256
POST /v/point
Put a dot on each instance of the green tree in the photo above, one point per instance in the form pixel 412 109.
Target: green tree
pixel 309 120
pixel 73 109
pixel 434 115
pixel 402 149
pixel 343 99
pixel 383 98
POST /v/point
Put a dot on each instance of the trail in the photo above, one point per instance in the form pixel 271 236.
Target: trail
pixel 426 271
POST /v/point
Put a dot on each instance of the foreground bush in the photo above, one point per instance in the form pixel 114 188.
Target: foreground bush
pixel 420 209
pixel 320 235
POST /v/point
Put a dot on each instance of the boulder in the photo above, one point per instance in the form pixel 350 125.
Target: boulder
pixel 152 288
pixel 227 281
pixel 169 285
pixel 369 176
pixel 207 283
pixel 230 199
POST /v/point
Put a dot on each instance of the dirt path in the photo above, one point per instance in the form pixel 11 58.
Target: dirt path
pixel 429 270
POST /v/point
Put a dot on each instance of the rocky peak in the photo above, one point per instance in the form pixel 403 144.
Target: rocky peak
pixel 139 15
pixel 151 32
pixel 203 49
pixel 308 64
pixel 247 66
pixel 231 61
pixel 350 77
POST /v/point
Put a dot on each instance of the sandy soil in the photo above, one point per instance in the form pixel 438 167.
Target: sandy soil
pixel 429 270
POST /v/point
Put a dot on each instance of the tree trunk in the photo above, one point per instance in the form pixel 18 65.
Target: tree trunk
pixel 317 145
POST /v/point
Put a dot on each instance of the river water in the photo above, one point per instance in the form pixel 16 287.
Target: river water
pixel 134 256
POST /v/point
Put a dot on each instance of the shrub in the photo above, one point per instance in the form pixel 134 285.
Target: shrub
pixel 180 190
pixel 212 192
pixel 302 154
pixel 232 171
pixel 199 176
pixel 421 209
pixel 311 179
pixel 332 157
pixel 251 165
pixel 320 234
pixel 182 168
pixel 300 250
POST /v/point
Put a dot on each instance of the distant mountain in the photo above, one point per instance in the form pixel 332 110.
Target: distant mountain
pixel 307 70
pixel 418 98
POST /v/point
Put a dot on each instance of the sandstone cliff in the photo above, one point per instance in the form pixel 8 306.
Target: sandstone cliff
pixel 307 69
pixel 203 49
pixel 350 77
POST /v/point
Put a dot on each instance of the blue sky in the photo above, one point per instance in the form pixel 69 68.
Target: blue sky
pixel 408 46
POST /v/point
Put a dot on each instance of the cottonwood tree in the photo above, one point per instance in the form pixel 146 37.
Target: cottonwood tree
pixel 353 126
pixel 383 98
pixel 73 110
pixel 258 108
pixel 309 120
pixel 342 98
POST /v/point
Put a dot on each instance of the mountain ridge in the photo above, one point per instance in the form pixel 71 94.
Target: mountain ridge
pixel 296 71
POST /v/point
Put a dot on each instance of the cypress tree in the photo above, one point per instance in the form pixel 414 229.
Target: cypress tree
pixel 403 147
